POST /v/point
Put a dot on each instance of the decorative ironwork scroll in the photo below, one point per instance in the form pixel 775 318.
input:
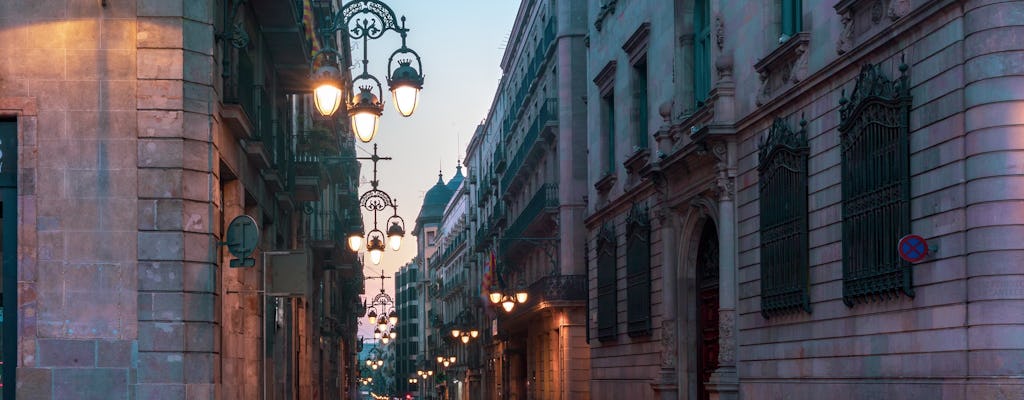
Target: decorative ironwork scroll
pixel 874 130
pixel 782 177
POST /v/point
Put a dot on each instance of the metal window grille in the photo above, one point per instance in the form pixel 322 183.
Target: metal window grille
pixel 782 178
pixel 607 299
pixel 638 271
pixel 874 128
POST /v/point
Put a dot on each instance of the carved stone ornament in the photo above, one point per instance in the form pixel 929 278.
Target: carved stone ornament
pixel 845 41
pixel 783 67
pixel 719 31
pixel 727 337
pixel 898 8
pixel 668 344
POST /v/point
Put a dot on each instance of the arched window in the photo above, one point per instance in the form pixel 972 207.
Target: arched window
pixel 782 180
pixel 607 299
pixel 874 128
pixel 638 271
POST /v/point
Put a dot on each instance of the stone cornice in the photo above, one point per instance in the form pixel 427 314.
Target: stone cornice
pixel 636 46
pixel 606 78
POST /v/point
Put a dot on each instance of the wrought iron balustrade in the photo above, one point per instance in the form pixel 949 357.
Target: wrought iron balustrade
pixel 548 114
pixel 544 200
pixel 325 226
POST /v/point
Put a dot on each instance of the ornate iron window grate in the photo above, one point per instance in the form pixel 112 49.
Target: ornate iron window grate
pixel 607 298
pixel 874 128
pixel 782 178
pixel 638 271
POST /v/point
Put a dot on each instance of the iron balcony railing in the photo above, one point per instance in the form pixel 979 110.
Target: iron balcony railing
pixel 325 226
pixel 498 158
pixel 544 200
pixel 548 114
pixel 554 288
pixel 533 67
pixel 499 215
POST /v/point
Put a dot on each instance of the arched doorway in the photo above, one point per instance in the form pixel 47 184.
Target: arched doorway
pixel 707 305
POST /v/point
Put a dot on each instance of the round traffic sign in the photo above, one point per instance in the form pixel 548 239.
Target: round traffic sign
pixel 243 236
pixel 913 248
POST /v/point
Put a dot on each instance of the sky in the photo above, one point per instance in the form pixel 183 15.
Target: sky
pixel 460 43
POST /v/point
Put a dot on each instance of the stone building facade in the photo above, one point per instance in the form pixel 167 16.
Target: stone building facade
pixel 407 345
pixel 527 164
pixel 753 166
pixel 142 129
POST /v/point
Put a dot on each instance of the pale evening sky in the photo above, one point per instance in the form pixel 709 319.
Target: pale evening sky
pixel 460 43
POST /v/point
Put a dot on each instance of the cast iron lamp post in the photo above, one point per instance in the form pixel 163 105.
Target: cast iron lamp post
pixel 376 200
pixel 365 20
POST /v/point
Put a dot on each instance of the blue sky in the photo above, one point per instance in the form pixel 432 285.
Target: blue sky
pixel 460 43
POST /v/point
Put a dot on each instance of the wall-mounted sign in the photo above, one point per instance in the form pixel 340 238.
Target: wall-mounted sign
pixel 242 238
pixel 913 248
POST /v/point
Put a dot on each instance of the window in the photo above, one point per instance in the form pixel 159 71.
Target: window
pixel 605 81
pixel 608 112
pixel 874 130
pixel 792 18
pixel 702 51
pixel 638 271
pixel 640 102
pixel 782 180
pixel 607 299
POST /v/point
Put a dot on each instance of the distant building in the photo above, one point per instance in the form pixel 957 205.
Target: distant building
pixel 407 345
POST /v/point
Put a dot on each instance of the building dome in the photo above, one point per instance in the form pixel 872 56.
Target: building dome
pixel 456 180
pixel 435 200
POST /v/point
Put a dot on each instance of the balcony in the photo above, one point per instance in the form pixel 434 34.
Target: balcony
pixel 325 229
pixel 312 148
pixel 543 202
pixel 498 158
pixel 499 216
pixel 550 291
pixel 543 127
pixel 284 34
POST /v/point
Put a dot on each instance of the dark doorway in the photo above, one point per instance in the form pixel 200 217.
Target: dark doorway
pixel 9 255
pixel 707 305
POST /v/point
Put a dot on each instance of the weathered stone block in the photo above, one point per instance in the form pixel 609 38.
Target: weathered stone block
pixel 198 37
pixel 198 68
pixel 168 306
pixel 114 353
pixel 197 126
pixel 160 123
pixel 199 98
pixel 51 246
pixel 196 216
pixel 160 367
pixel 100 95
pixel 201 391
pixel 161 246
pixel 160 276
pixel 160 95
pixel 159 183
pixel 37 64
pixel 34 384
pixel 197 185
pixel 90 383
pixel 114 9
pixel 199 247
pixel 161 336
pixel 66 353
pixel 160 392
pixel 160 64
pixel 160 8
pixel 199 277
pixel 104 124
pixel 101 64
pixel 199 368
pixel 166 153
pixel 160 33
pixel 199 307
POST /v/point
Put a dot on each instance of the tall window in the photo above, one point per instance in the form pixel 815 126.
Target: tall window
pixel 607 299
pixel 608 104
pixel 8 255
pixel 640 102
pixel 792 17
pixel 874 129
pixel 782 178
pixel 702 50
pixel 638 271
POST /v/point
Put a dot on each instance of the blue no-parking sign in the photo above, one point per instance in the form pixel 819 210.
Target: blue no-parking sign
pixel 913 248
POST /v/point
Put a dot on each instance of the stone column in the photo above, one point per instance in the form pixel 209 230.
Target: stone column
pixel 177 197
pixel 667 384
pixel 724 382
pixel 994 189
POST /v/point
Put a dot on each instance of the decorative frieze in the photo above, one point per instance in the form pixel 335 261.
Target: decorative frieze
pixel 863 18
pixel 783 67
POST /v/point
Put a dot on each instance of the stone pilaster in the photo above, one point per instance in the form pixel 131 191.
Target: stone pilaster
pixel 177 200
pixel 724 382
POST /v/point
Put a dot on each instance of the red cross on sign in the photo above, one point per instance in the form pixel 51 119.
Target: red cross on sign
pixel 913 248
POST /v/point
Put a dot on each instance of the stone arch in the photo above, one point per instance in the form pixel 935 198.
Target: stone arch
pixel 692 221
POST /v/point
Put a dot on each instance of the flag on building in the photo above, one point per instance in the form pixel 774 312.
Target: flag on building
pixel 309 22
pixel 488 278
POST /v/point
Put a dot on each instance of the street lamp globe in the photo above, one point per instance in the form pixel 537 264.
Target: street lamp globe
pixel 385 340
pixel 474 333
pixel 382 323
pixel 355 241
pixel 365 112
pixel 494 296
pixel 456 332
pixel 521 294
pixel 395 235
pixel 327 90
pixel 375 245
pixel 372 316
pixel 465 339
pixel 440 358
pixel 393 335
pixel 507 303
pixel 393 317
pixel 405 83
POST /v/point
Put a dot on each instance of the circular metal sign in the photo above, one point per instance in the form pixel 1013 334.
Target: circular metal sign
pixel 243 236
pixel 913 248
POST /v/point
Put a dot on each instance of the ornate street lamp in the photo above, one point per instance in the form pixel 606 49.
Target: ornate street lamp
pixel 375 201
pixel 464 328
pixel 365 20
pixel 509 298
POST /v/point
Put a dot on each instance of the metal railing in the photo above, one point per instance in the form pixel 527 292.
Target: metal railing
pixel 547 114
pixel 325 226
pixel 544 200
